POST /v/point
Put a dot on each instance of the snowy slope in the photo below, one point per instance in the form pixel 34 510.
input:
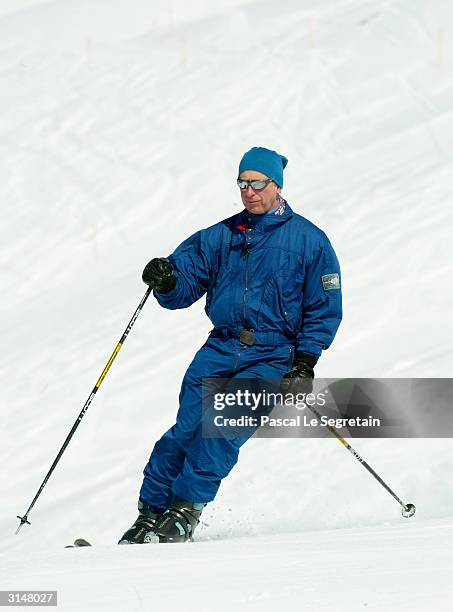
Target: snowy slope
pixel 122 125
pixel 349 569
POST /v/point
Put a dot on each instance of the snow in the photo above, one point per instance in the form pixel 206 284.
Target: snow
pixel 347 569
pixel 122 125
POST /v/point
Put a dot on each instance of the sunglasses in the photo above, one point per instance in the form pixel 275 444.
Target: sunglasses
pixel 256 184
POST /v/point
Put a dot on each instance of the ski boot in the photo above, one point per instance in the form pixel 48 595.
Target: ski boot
pixel 141 531
pixel 178 523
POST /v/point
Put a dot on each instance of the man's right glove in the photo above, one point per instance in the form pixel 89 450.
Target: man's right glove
pixel 158 274
pixel 300 377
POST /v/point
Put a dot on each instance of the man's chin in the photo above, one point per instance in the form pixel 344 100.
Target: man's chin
pixel 254 207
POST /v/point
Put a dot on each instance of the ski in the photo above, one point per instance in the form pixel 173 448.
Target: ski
pixel 79 543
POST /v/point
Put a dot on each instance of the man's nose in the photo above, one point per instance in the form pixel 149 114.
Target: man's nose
pixel 249 191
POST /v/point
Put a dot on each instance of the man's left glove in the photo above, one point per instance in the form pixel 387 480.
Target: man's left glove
pixel 158 274
pixel 300 377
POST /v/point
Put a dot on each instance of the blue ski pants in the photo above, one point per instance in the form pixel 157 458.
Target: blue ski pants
pixel 184 463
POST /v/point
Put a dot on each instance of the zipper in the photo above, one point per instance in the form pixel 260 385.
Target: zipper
pixel 244 300
pixel 237 361
pixel 291 359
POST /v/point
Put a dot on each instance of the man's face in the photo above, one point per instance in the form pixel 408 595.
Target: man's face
pixel 262 201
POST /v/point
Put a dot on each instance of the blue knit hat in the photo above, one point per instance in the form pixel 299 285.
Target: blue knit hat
pixel 266 161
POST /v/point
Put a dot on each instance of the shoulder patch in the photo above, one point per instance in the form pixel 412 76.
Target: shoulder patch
pixel 330 281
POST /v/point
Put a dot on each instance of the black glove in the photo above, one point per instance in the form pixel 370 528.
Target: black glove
pixel 300 377
pixel 158 274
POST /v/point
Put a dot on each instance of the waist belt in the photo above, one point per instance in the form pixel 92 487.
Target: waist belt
pixel 250 336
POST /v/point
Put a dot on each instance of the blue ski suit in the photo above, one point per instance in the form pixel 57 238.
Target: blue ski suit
pixel 276 274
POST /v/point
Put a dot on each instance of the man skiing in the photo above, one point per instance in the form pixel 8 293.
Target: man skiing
pixel 272 285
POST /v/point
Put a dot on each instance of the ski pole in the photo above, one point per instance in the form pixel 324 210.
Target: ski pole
pixel 24 519
pixel 408 510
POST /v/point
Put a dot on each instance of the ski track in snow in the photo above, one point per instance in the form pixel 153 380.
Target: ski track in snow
pixel 121 130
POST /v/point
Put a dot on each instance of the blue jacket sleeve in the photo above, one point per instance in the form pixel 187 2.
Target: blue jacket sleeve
pixel 321 307
pixel 191 263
